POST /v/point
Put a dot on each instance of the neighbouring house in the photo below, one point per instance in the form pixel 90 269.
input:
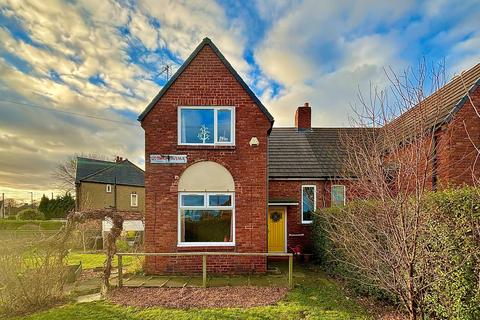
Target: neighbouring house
pixel 111 184
pixel 106 184
pixel 219 177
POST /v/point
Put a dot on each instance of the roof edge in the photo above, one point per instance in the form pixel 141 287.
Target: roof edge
pixel 459 105
pixel 206 41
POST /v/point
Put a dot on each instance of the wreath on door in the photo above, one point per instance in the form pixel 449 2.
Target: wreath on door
pixel 275 216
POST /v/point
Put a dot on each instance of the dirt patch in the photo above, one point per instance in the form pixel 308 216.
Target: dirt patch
pixel 185 298
pixel 89 274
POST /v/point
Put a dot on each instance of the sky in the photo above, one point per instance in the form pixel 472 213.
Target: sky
pixel 105 59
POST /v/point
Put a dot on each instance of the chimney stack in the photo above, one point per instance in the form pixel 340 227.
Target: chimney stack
pixel 118 159
pixel 303 117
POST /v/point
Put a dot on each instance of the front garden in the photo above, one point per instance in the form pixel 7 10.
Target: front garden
pixel 315 296
pixel 357 275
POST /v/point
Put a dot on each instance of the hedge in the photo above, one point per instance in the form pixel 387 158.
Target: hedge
pixel 452 235
pixel 43 224
pixel 30 214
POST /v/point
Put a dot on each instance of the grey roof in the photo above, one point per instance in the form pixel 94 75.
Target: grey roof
pixel 124 172
pixel 307 154
pixel 205 42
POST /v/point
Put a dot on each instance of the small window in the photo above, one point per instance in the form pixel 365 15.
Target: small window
pixel 134 200
pixel 193 200
pixel 338 195
pixel 219 200
pixel 206 223
pixel 309 203
pixel 206 126
pixel 108 188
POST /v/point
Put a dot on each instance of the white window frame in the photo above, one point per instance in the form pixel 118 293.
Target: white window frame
pixel 215 125
pixel 314 201
pixel 205 206
pixel 344 193
pixel 108 188
pixel 133 203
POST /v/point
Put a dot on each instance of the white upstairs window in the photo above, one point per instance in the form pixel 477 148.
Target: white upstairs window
pixel 206 125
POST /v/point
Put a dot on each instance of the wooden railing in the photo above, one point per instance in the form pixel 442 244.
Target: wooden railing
pixel 204 261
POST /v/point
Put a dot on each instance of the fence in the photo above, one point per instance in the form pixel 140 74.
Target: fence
pixel 204 261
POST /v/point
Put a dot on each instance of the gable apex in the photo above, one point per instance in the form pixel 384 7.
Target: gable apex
pixel 206 41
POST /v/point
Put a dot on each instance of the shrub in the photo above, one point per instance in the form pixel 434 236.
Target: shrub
pixel 334 262
pixel 41 224
pixel 31 277
pixel 449 243
pixel 30 214
pixel 453 236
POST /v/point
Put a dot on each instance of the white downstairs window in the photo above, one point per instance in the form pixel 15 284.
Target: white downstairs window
pixel 338 195
pixel 309 203
pixel 134 200
pixel 206 126
pixel 206 218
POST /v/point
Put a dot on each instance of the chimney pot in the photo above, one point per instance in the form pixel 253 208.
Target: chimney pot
pixel 303 117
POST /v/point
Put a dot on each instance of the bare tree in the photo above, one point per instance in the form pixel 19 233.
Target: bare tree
pixel 65 171
pixel 64 174
pixel 391 162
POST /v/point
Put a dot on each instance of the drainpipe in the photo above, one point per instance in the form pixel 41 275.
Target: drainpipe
pixel 115 193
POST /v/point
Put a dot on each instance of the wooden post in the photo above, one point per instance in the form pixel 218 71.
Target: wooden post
pixel 120 279
pixel 290 271
pixel 204 270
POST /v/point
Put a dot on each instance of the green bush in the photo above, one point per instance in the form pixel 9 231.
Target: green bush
pixel 42 224
pixel 30 214
pixel 332 260
pixel 58 207
pixel 451 237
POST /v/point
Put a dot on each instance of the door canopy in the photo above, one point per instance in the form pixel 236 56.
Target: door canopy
pixel 206 176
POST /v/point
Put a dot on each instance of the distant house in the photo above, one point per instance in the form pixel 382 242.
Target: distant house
pixel 106 184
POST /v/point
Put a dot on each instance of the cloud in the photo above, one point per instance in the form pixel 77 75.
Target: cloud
pixel 105 59
pixel 324 52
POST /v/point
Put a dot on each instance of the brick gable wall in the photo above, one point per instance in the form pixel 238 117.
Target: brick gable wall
pixel 206 82
pixel 460 165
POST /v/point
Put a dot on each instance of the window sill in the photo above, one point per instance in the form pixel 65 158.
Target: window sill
pixel 208 147
pixel 206 244
pixel 307 222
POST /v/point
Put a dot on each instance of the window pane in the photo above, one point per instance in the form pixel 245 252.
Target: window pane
pixel 197 126
pixel 219 200
pixel 193 200
pixel 224 123
pixel 338 195
pixel 206 225
pixel 308 200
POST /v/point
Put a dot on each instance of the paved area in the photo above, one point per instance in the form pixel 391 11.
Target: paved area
pixel 276 277
pixel 89 298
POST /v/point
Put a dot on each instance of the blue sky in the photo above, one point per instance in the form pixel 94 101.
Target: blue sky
pixel 105 58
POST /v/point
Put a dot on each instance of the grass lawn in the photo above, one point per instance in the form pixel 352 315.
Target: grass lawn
pixel 314 297
pixel 94 260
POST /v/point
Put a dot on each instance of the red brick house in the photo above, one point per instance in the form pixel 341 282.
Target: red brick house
pixel 220 178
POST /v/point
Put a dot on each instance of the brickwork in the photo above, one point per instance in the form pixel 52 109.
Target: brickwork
pixel 303 117
pixel 297 232
pixel 459 165
pixel 206 82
